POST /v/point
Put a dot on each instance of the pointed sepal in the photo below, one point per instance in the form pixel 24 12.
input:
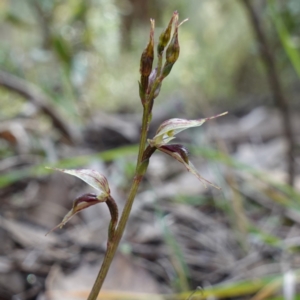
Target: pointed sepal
pixel 92 178
pixel 169 128
pixel 79 204
pixel 180 153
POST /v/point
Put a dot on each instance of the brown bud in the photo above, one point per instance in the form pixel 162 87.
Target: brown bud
pixel 164 38
pixel 146 63
pixel 173 49
pixel 172 52
pixel 148 54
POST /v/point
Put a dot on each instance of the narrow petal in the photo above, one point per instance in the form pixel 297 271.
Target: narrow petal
pixel 181 154
pixel 168 129
pixel 79 204
pixel 91 177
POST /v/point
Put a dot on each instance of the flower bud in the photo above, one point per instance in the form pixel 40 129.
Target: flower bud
pixel 148 54
pixel 146 63
pixel 173 49
pixel 172 52
pixel 164 38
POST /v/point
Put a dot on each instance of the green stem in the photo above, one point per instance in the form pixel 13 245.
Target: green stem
pixel 114 242
pixel 144 131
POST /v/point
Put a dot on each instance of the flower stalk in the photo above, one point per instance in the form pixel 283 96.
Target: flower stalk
pixel 114 242
pixel 142 160
pixel 149 88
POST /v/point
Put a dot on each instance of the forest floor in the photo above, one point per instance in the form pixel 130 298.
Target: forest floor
pixel 242 241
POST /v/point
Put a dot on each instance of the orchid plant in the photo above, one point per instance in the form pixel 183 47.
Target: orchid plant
pixel 149 87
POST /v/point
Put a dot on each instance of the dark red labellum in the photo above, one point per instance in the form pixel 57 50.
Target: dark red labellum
pixel 90 199
pixel 182 151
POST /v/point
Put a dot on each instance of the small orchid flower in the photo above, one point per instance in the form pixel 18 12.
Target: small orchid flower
pixel 95 180
pixel 168 129
pixel 166 133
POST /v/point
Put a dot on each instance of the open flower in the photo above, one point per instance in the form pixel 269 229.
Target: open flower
pixel 95 180
pixel 168 129
pixel 166 133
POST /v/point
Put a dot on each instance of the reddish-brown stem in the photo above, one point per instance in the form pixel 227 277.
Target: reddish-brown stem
pixel 114 214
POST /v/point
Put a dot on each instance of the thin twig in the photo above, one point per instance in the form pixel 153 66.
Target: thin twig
pixel 275 86
pixel 38 98
pixel 44 22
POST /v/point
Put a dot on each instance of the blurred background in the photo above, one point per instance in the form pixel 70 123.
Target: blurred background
pixel 69 98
